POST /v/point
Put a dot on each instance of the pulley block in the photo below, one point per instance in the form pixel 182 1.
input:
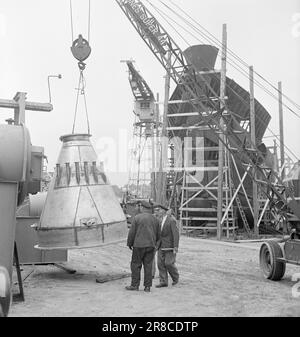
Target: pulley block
pixel 81 49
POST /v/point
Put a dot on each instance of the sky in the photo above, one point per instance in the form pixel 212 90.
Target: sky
pixel 35 37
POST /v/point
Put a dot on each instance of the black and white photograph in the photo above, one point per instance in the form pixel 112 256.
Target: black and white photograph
pixel 149 161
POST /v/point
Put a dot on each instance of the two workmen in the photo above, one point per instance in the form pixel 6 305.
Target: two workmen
pixel 146 235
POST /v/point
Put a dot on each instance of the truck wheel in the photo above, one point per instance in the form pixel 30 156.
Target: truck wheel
pixel 272 269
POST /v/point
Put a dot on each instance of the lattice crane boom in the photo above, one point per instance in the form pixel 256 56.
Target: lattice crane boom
pixel 139 87
pixel 184 74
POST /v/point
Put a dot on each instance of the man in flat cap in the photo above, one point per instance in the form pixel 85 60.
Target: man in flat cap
pixel 142 239
pixel 167 250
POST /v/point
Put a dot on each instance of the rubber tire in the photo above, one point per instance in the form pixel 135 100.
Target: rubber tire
pixel 271 268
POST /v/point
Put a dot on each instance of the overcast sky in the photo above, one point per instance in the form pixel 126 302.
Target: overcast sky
pixel 35 38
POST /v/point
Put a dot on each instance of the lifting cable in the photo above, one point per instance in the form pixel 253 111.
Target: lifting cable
pixel 235 55
pixel 81 50
pixel 243 72
pixel 164 15
pixel 219 44
pixel 237 67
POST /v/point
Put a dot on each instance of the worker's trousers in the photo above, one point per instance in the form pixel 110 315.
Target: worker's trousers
pixel 142 257
pixel 166 264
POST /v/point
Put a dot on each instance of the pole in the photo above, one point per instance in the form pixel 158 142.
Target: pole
pixel 157 151
pixel 164 136
pixel 281 133
pixel 253 139
pixel 222 136
pixel 153 178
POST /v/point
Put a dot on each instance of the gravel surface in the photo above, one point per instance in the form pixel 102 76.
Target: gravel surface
pixel 216 279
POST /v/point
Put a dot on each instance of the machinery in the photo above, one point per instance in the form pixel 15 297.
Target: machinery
pixel 18 172
pixel 184 123
pixel 144 106
pixel 141 182
pixel 274 255
pixel 81 209
pixel 215 115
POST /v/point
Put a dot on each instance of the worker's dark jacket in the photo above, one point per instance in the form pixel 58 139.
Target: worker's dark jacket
pixel 144 231
pixel 169 236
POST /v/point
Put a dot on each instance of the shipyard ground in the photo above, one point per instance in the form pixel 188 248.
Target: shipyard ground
pixel 217 279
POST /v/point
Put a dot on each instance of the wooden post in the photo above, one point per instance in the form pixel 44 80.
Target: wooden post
pixel 166 100
pixel 276 156
pixel 253 140
pixel 153 161
pixel 156 150
pixel 164 135
pixel 221 144
pixel 281 133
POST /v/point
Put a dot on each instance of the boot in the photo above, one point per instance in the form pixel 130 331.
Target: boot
pixel 161 285
pixel 132 287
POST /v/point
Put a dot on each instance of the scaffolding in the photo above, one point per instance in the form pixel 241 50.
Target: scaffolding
pixel 204 185
pixel 235 128
pixel 142 163
pixel 142 176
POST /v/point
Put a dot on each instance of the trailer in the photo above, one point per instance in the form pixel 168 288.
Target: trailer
pixel 274 255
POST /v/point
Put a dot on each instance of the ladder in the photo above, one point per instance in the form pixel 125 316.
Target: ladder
pixel 243 215
pixel 206 214
pixel 241 209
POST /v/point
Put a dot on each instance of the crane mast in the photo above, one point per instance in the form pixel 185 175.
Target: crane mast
pixel 141 182
pixel 210 112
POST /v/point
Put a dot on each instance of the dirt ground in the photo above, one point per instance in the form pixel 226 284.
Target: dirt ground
pixel 216 279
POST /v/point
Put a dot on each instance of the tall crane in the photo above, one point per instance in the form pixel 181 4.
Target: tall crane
pixel 212 112
pixel 142 176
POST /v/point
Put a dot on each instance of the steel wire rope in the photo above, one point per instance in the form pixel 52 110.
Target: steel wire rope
pixel 76 104
pixel 232 90
pixel 82 81
pixel 231 52
pixel 208 85
pixel 89 21
pixel 71 16
pixel 245 103
pixel 219 43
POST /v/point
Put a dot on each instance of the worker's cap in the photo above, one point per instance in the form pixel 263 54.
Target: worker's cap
pixel 145 204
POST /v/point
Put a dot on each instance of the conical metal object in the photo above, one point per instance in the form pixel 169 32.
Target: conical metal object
pixel 81 208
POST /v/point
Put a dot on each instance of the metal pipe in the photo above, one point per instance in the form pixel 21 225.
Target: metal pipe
pixel 58 76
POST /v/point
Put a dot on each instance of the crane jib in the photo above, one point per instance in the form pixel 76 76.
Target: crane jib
pixel 183 73
pixel 147 24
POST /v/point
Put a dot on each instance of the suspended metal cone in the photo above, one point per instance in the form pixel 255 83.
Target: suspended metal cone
pixel 81 209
